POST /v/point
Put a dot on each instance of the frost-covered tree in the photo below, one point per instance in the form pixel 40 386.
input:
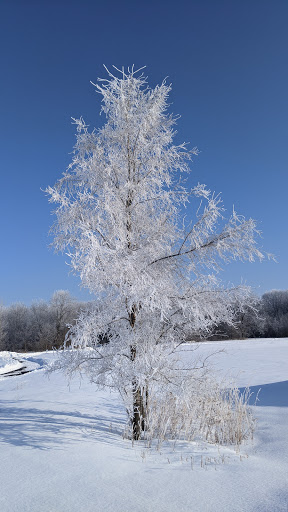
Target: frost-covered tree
pixel 3 327
pixel 153 270
pixel 274 309
pixel 62 307
pixel 18 328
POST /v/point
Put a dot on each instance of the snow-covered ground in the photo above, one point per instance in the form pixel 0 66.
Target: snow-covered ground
pixel 8 362
pixel 13 362
pixel 62 448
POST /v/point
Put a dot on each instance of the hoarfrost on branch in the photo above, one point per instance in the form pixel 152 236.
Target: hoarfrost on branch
pixel 155 274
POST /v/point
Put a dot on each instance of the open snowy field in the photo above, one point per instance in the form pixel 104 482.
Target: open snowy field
pixel 62 448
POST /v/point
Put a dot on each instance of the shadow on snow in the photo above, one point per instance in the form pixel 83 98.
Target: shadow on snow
pixel 269 395
pixel 48 428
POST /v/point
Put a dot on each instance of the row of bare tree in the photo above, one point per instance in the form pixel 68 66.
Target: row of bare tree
pixel 265 317
pixel 42 326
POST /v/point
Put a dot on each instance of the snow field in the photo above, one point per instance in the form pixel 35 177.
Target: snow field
pixel 62 448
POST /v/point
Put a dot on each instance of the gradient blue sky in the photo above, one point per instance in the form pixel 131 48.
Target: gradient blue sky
pixel 227 61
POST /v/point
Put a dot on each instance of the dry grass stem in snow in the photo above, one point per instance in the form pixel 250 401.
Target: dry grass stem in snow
pixel 205 411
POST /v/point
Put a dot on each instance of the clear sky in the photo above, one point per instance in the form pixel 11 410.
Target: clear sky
pixel 227 61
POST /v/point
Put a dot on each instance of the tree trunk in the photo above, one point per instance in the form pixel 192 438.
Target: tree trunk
pixel 140 403
pixel 137 419
pixel 140 395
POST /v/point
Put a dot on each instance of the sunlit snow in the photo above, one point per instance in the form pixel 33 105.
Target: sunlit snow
pixel 62 448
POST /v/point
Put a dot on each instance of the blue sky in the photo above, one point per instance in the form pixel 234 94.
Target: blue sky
pixel 227 61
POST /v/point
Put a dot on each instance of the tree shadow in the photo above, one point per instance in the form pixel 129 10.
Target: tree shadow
pixel 44 429
pixel 269 395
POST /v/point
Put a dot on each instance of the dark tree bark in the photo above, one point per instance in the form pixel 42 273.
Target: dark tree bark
pixel 139 412
pixel 140 395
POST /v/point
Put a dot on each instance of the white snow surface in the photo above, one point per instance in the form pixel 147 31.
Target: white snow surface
pixel 11 361
pixel 8 362
pixel 62 448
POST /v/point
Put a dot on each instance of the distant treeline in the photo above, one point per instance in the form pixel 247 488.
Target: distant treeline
pixel 265 317
pixel 43 326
